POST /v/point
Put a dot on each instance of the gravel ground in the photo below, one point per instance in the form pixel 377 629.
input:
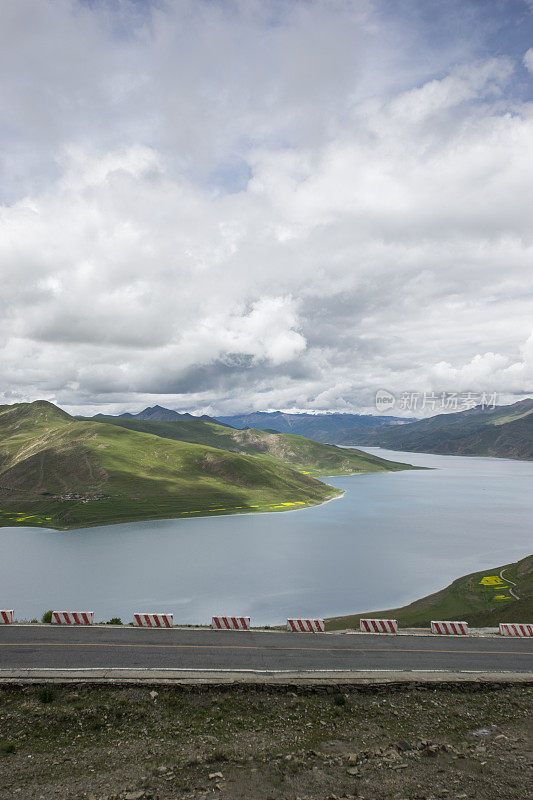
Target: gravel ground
pixel 169 742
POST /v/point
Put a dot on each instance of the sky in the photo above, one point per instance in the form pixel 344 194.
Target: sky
pixel 235 205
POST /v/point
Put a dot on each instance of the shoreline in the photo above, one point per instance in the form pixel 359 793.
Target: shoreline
pixel 477 608
pixel 183 514
pixel 365 447
pixel 180 517
pixel 339 618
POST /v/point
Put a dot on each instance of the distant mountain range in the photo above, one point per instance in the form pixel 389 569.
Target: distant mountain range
pixel 504 431
pixel 160 414
pixel 156 414
pixel 329 428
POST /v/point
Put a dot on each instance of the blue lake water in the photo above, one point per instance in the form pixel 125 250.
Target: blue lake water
pixel 390 539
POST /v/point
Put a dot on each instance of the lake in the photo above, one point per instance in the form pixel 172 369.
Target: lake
pixel 390 539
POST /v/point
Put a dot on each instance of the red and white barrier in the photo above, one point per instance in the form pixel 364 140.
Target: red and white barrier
pixel 379 625
pixel 72 617
pixel 516 629
pixel 306 625
pixel 153 620
pixel 450 628
pixel 231 623
pixel 6 617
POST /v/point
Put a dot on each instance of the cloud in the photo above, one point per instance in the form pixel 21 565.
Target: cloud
pixel 204 83
pixel 369 226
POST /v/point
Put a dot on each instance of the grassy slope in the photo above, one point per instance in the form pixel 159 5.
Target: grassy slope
pixel 465 599
pixel 45 454
pixel 506 431
pixel 300 453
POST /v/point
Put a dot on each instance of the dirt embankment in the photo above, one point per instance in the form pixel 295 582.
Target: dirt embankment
pixel 266 743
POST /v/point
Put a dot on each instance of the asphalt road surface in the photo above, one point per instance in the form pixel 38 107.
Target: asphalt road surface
pixel 56 647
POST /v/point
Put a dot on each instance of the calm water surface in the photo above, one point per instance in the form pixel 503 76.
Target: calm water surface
pixel 390 539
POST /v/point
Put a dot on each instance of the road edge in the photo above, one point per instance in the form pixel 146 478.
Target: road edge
pixel 279 678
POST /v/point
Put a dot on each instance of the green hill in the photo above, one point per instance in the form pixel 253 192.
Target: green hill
pixel 505 431
pixel 482 599
pixel 309 457
pixel 63 472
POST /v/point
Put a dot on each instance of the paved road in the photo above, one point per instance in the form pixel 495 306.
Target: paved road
pixel 137 648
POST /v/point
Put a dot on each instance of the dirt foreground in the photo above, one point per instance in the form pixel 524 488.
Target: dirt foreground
pixel 161 742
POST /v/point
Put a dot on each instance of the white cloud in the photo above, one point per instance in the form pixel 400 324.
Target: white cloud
pixel 383 237
pixel 469 82
pixel 495 370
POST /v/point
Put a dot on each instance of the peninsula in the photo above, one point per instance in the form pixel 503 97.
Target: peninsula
pixel 60 472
